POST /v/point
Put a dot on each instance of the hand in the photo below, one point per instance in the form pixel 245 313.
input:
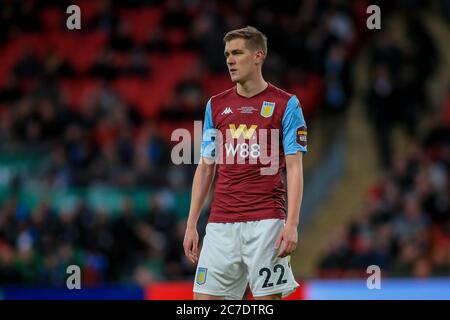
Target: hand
pixel 288 240
pixel 190 244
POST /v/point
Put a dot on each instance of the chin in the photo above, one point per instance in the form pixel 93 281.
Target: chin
pixel 234 79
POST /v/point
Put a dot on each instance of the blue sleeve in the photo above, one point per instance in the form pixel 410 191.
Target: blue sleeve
pixel 209 134
pixel 294 128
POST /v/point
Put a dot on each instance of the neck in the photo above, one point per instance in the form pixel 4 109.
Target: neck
pixel 251 87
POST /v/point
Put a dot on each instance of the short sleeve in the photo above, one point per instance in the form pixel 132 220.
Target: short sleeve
pixel 294 128
pixel 209 134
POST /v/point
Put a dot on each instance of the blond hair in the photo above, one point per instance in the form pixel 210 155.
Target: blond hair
pixel 254 38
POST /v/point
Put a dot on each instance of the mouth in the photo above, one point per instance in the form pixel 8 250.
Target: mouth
pixel 233 70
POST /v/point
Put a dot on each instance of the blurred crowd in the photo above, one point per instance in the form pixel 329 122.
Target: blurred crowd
pixel 102 138
pixel 404 227
pixel 400 74
pixel 37 247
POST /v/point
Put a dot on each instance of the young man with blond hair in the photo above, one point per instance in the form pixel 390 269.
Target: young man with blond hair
pixel 249 235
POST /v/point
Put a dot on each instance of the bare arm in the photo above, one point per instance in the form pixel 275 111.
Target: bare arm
pixel 289 237
pixel 294 173
pixel 203 178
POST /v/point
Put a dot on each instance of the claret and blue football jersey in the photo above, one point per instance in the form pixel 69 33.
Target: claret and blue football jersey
pixel 249 138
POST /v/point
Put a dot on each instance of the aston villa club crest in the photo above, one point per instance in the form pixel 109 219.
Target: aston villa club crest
pixel 201 275
pixel 267 109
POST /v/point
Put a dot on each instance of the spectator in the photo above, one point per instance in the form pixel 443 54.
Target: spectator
pixel 28 65
pixel 100 140
pixel 11 92
pixel 381 112
pixel 57 67
pixel 138 64
pixel 106 18
pixel 156 42
pixel 27 19
pixel 121 39
pixel 104 66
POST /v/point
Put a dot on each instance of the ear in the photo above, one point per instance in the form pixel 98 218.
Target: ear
pixel 259 56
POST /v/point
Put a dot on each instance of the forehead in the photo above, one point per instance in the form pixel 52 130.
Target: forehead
pixel 235 44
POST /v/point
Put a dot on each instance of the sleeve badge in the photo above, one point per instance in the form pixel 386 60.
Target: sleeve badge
pixel 301 136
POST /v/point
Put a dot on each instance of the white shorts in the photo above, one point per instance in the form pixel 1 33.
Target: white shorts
pixel 236 254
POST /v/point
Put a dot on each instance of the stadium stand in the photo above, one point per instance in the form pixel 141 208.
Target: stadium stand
pixel 86 117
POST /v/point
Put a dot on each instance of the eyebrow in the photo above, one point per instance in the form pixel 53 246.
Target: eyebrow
pixel 233 51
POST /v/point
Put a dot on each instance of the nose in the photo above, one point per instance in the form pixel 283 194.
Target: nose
pixel 230 61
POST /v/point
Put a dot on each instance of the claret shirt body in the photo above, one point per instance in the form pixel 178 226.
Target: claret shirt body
pixel 249 139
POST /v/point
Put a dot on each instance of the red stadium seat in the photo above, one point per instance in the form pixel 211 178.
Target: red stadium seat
pixel 89 9
pixel 79 49
pixel 3 109
pixel 142 21
pixel 215 84
pixel 309 92
pixel 121 60
pixel 52 19
pixel 145 95
pixel 176 37
pixel 446 111
pixel 167 128
pixel 36 42
pixel 27 85
pixel 129 88
pixel 10 54
pixel 8 58
pixel 78 90
pixel 150 95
